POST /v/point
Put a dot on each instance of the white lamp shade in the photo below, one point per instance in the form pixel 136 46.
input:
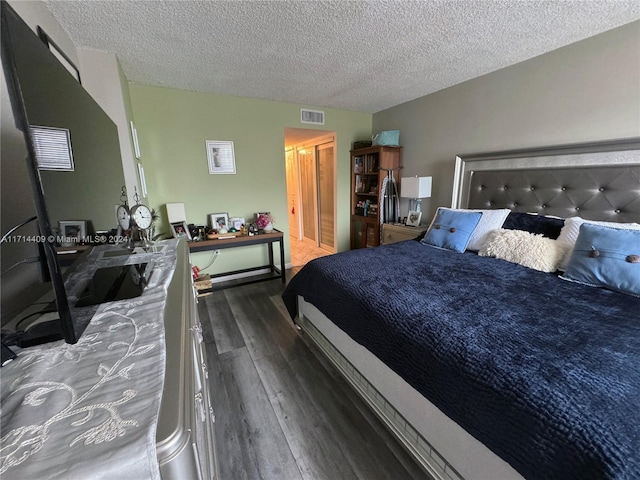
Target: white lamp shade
pixel 416 187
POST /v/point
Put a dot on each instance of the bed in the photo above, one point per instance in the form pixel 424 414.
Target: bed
pixel 482 367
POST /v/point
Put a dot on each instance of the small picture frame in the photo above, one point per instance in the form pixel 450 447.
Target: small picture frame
pixel 73 231
pixel 413 218
pixel 236 222
pixel 220 157
pixel 180 230
pixel 217 220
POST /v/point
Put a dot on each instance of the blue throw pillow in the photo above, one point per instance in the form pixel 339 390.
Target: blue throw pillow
pixel 606 257
pixel 452 229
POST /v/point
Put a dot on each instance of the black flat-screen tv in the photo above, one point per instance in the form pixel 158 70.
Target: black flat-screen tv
pixel 44 93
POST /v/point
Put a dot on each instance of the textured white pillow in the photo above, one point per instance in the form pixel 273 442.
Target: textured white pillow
pixel 524 248
pixel 491 220
pixel 571 229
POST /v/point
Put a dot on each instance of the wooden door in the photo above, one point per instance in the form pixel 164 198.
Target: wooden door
pixel 308 193
pixel 326 195
pixel 293 188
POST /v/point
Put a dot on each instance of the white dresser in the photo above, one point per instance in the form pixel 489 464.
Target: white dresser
pixel 130 399
pixel 185 435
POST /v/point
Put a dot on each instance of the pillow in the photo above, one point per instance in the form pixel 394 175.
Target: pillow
pixel 606 257
pixel 530 222
pixel 571 229
pixel 452 229
pixel 524 248
pixel 491 220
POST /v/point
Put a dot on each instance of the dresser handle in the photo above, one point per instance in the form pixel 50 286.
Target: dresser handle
pixel 200 407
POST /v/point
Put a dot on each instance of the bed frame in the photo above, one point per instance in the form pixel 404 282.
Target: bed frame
pixel 597 181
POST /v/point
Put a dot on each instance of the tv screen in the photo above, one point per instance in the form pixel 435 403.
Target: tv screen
pixel 43 94
pixel 115 283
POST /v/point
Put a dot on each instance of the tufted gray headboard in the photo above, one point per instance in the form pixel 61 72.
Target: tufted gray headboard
pixel 596 181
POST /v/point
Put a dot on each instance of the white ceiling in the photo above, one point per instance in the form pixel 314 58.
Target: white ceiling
pixel 355 55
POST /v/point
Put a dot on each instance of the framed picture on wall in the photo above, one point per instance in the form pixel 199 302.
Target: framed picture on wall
pixel 220 157
pixel 134 138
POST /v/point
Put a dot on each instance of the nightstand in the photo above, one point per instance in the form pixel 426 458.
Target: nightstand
pixel 397 232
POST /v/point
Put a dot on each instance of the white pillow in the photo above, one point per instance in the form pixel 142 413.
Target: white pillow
pixel 491 220
pixel 571 229
pixel 524 248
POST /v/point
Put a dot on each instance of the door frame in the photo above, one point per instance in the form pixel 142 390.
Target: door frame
pixel 314 143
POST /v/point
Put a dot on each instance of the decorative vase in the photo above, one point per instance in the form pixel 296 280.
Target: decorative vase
pixel 268 228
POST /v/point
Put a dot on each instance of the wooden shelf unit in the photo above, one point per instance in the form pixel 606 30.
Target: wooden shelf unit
pixel 368 169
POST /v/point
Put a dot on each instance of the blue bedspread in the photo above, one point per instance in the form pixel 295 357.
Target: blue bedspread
pixel 544 372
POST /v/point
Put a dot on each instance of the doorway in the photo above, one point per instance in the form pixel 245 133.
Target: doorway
pixel 311 193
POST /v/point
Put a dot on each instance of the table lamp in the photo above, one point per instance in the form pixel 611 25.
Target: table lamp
pixel 416 188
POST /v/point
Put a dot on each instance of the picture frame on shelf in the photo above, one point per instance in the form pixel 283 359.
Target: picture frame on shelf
pixel 220 157
pixel 236 222
pixel 413 218
pixel 73 231
pixel 180 230
pixel 217 220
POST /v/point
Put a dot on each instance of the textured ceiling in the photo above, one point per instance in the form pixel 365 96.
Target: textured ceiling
pixel 354 55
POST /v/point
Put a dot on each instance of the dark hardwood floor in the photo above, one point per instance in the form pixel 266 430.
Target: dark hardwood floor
pixel 282 411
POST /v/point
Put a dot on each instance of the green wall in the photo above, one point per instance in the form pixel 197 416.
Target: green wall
pixel 173 126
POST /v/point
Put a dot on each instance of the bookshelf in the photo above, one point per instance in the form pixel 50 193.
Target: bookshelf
pixel 367 174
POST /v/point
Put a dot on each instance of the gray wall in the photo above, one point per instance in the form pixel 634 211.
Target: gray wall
pixel 586 91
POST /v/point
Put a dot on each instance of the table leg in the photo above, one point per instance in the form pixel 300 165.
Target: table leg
pixel 282 259
pixel 271 264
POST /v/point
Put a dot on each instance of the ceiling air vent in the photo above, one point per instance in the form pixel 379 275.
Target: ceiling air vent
pixel 316 117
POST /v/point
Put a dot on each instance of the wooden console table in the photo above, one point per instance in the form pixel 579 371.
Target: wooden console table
pixel 242 241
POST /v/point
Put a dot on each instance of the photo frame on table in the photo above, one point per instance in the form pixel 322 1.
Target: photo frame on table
pixel 180 230
pixel 236 222
pixel 220 157
pixel 217 220
pixel 413 218
pixel 73 230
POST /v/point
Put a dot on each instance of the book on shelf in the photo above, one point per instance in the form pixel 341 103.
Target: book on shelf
pixel 371 163
pixel 357 165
